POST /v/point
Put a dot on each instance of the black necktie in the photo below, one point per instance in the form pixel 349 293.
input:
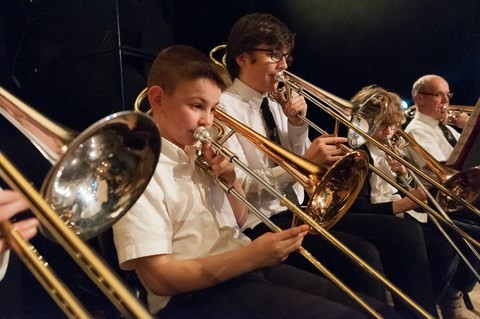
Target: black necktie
pixel 268 117
pixel 448 135
pixel 273 132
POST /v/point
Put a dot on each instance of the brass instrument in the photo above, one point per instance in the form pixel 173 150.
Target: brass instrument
pixel 202 134
pixel 300 86
pixel 362 121
pixel 332 191
pixel 454 110
pixel 465 184
pixel 219 48
pixel 361 116
pixel 395 148
pixel 305 172
pixel 451 112
pixel 457 193
pixel 97 176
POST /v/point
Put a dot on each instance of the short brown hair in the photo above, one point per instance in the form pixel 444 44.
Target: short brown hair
pixel 376 96
pixel 255 29
pixel 180 62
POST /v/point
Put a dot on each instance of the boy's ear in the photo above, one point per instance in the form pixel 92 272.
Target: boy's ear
pixel 241 59
pixel 155 94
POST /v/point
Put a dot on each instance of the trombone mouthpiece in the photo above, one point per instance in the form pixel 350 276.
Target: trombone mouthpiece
pixel 280 77
pixel 387 142
pixel 201 133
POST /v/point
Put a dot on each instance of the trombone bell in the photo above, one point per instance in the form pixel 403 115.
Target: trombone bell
pixel 103 172
pixel 338 188
pixel 97 175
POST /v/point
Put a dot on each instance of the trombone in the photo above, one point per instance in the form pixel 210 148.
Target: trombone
pixel 451 112
pixel 96 177
pixel 320 183
pixel 362 123
pixel 360 130
pixel 464 183
pixel 389 143
pixel 202 134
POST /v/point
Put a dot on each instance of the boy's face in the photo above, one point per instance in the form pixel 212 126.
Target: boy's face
pixel 257 69
pixel 189 106
pixel 384 131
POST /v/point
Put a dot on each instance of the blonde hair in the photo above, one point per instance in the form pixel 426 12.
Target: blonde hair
pixel 376 97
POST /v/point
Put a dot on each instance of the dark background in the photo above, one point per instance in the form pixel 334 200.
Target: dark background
pixel 77 61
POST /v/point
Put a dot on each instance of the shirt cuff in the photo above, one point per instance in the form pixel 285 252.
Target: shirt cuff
pixel 299 133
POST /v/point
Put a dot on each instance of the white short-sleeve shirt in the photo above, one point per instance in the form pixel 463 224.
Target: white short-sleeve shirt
pixel 182 212
pixel 381 190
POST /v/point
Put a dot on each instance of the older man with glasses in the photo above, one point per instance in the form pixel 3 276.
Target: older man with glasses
pixel 431 94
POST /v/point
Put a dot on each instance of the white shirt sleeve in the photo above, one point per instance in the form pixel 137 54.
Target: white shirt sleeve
pixel 4 257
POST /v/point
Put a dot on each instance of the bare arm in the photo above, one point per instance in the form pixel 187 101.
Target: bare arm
pixel 405 204
pixel 166 276
pixel 225 170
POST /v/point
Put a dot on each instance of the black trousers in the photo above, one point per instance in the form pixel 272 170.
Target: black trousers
pixel 333 258
pixel 464 279
pixel 275 292
pixel 405 249
pixel 442 259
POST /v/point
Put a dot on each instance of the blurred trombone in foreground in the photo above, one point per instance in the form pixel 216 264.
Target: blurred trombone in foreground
pixel 96 177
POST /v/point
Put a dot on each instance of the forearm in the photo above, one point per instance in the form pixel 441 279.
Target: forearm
pixel 402 205
pixel 238 207
pixel 181 276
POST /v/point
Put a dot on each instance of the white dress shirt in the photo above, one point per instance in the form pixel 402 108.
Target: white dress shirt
pixel 382 191
pixel 4 257
pixel 243 103
pixel 182 212
pixel 427 133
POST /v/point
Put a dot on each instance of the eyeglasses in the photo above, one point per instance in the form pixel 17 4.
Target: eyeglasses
pixel 439 94
pixel 384 126
pixel 277 55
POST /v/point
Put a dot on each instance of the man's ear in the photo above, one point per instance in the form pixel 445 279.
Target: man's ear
pixel 155 94
pixel 417 98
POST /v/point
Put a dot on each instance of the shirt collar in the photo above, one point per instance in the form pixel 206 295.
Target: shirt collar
pixel 426 119
pixel 173 152
pixel 374 150
pixel 248 94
